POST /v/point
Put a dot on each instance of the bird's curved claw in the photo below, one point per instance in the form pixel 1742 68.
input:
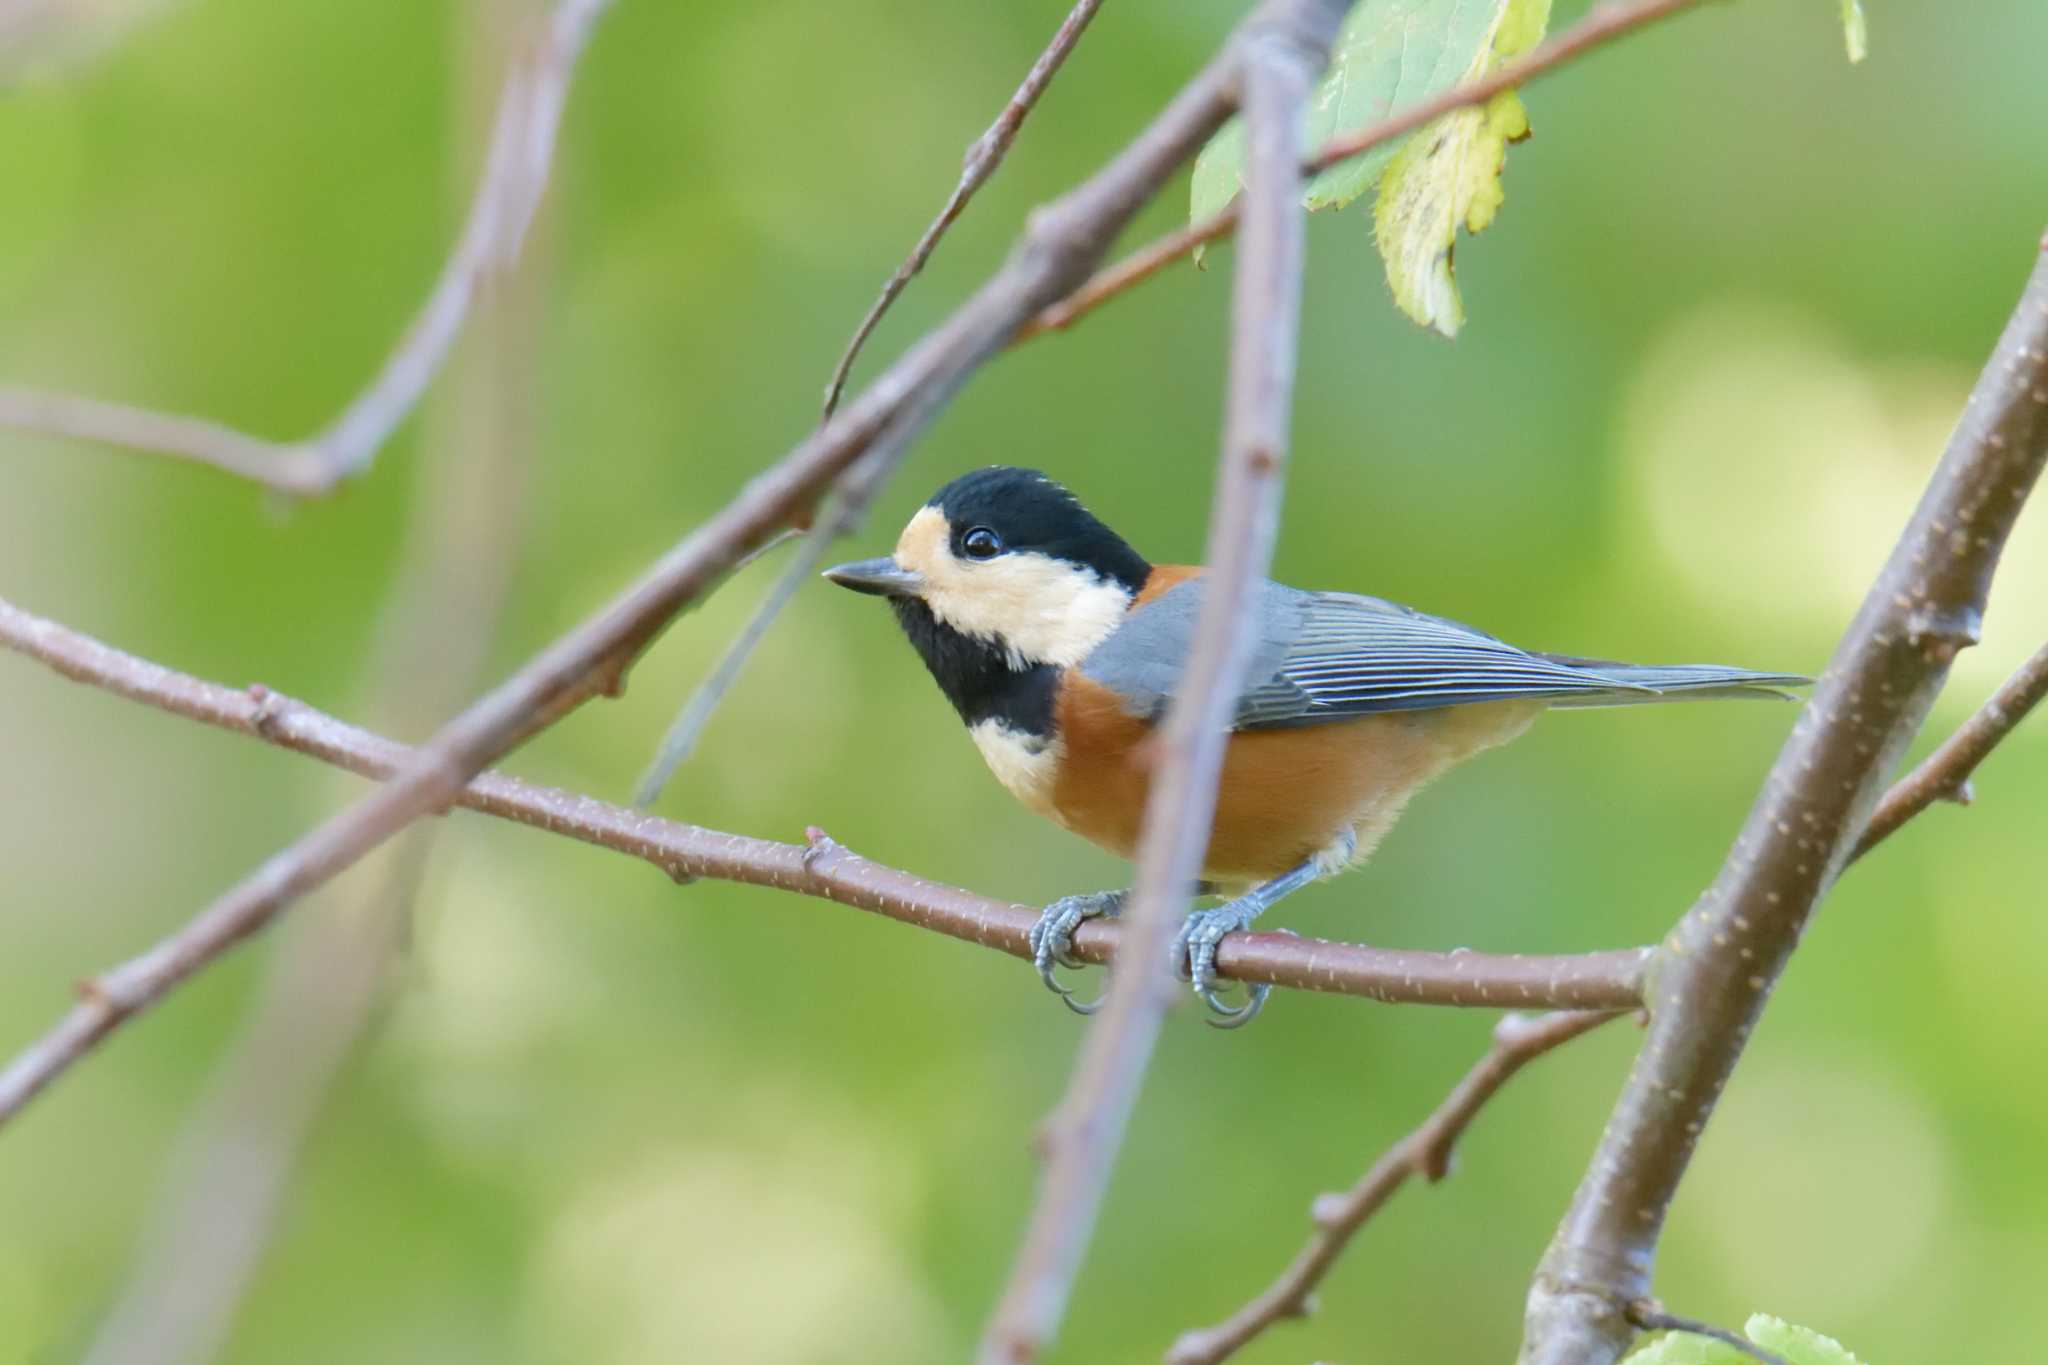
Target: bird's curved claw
pixel 1237 1016
pixel 1194 959
pixel 1052 940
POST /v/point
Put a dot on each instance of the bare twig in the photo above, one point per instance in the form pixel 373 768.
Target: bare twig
pixel 850 500
pixel 983 157
pixel 1603 24
pixel 1061 243
pixel 1944 775
pixel 1652 1318
pixel 1280 52
pixel 237 1154
pixel 1424 1153
pixel 822 867
pixel 515 175
pixel 1716 968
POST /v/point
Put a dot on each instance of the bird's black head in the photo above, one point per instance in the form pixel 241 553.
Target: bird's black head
pixel 1002 571
pixel 1024 512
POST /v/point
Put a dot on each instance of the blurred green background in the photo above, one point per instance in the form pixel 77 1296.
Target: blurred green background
pixel 1718 333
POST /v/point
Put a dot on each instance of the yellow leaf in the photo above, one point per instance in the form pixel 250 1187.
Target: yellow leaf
pixel 1447 175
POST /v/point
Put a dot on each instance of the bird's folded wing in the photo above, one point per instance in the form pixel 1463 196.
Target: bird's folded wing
pixel 1327 656
pixel 1349 656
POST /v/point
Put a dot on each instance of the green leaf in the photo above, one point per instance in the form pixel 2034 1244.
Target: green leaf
pixel 1855 32
pixel 1800 1345
pixel 1447 176
pixel 1682 1348
pixel 1389 55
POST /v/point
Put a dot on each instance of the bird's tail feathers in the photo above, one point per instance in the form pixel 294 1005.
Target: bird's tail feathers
pixel 1641 684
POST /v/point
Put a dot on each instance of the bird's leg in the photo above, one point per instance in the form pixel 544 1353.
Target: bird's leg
pixel 1052 938
pixel 1194 949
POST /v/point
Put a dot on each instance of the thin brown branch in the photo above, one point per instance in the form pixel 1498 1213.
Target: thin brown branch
pixel 1423 1154
pixel 1605 23
pixel 1716 967
pixel 1061 243
pixel 1651 1318
pixel 983 157
pixel 823 868
pixel 1944 775
pixel 515 175
pixel 1282 48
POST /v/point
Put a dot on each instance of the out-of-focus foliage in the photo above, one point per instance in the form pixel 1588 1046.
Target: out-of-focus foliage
pixel 607 1119
pixel 1855 30
pixel 1794 1344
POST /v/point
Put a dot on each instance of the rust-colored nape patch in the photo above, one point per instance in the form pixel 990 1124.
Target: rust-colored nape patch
pixel 1164 577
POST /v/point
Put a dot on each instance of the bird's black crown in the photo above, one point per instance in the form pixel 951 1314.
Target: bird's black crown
pixel 1031 513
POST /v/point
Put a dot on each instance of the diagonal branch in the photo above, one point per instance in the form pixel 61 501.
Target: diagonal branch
pixel 1062 241
pixel 1424 1153
pixel 1716 968
pixel 820 867
pixel 515 175
pixel 1283 47
pixel 981 161
pixel 1603 24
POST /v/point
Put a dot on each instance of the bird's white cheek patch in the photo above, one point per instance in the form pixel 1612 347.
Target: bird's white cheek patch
pixel 1038 609
pixel 1025 764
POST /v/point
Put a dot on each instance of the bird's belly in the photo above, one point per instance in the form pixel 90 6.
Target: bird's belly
pixel 1286 795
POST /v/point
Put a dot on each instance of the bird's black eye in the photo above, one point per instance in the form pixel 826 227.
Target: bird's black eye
pixel 981 543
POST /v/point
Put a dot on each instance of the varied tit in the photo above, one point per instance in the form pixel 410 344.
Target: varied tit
pixel 1060 646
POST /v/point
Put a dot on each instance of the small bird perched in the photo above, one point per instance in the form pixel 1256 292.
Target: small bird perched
pixel 1060 646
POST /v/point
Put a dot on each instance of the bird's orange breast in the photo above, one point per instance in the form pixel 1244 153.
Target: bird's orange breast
pixel 1286 795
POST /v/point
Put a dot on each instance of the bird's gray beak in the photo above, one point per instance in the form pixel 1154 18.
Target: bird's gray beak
pixel 883 577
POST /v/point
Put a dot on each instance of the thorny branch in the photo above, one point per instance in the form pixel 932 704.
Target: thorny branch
pixel 1280 52
pixel 821 867
pixel 1716 968
pixel 515 175
pixel 1061 243
pixel 1424 1153
pixel 1603 24
pixel 983 157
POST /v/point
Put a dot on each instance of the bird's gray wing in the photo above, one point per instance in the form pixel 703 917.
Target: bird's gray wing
pixel 1327 656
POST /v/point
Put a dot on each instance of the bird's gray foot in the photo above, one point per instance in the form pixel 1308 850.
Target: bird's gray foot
pixel 1052 939
pixel 1194 948
pixel 1194 957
